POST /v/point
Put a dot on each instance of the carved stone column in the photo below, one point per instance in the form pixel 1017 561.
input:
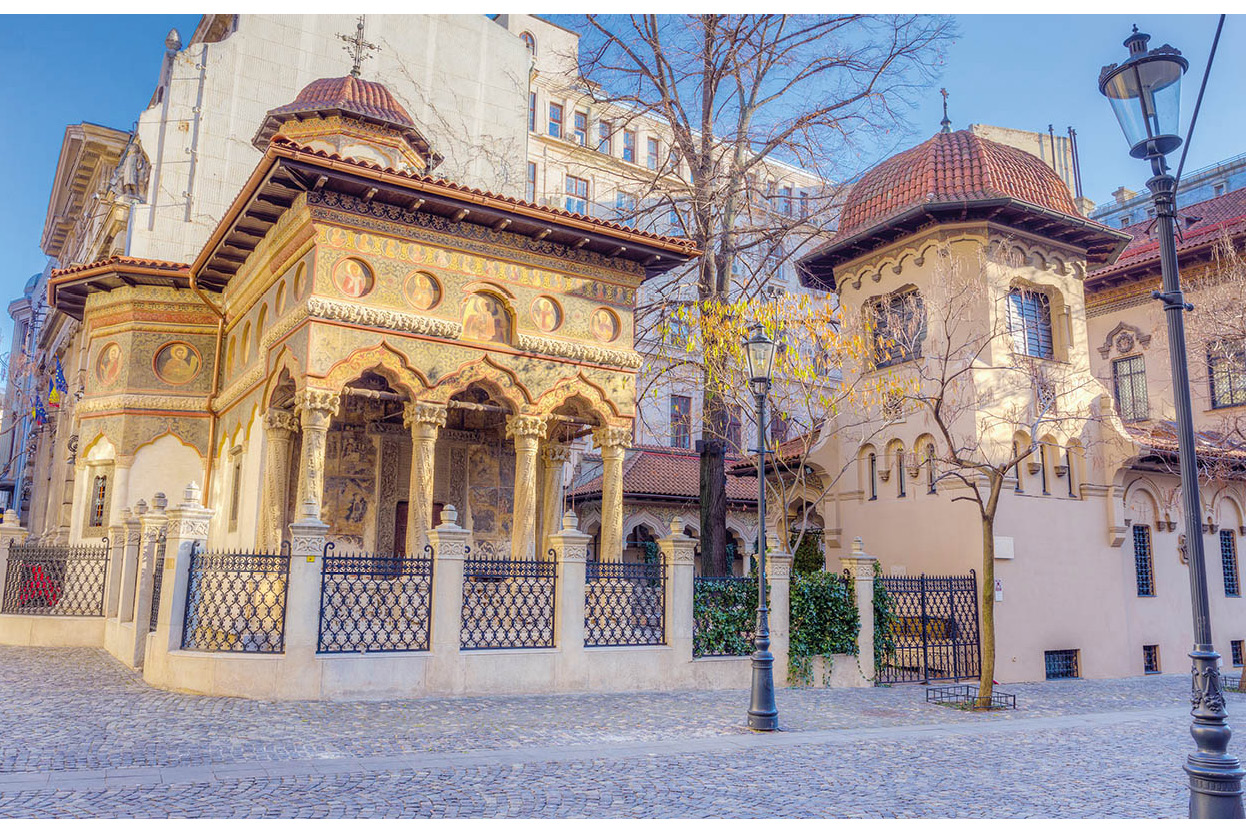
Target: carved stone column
pixel 527 430
pixel 613 441
pixel 424 420
pixel 680 551
pixel 279 429
pixel 315 410
pixel 555 459
pixel 860 567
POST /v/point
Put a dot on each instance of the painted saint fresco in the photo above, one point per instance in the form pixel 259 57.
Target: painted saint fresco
pixel 485 319
pixel 108 364
pixel 546 314
pixel 177 363
pixel 603 325
pixel 354 278
pixel 422 291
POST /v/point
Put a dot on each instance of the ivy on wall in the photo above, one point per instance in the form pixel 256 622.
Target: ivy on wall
pixel 824 621
pixel 724 616
pixel 808 557
pixel 884 622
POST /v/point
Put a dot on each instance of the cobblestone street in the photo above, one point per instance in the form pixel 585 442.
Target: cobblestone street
pixel 82 736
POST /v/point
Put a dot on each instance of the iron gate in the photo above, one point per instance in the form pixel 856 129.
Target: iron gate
pixel 934 629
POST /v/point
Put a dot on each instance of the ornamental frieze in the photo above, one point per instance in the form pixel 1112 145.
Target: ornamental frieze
pixel 578 352
pixel 140 402
pixel 348 313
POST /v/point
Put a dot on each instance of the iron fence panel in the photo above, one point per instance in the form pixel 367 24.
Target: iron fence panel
pixel 56 580
pixel 236 602
pixel 724 615
pixel 625 604
pixel 375 603
pixel 935 628
pixel 508 604
pixel 157 579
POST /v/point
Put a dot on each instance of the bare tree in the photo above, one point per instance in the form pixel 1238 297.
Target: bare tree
pixel 740 93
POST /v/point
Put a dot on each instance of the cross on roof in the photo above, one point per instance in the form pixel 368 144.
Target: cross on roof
pixel 356 46
pixel 946 122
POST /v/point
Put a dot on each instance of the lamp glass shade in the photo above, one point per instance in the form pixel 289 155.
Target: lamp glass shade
pixel 759 351
pixel 1145 94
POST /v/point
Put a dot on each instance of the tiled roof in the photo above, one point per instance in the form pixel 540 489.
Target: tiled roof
pixel 684 244
pixel 789 451
pixel 351 95
pixel 951 167
pixel 659 471
pixel 122 261
pixel 1162 437
pixel 1199 225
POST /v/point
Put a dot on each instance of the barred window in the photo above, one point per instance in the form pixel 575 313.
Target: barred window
pixel 1129 378
pixel 1228 559
pixel 1061 664
pixel 1143 566
pixel 235 494
pixel 681 421
pixel 1029 322
pixel 1237 648
pixel 1150 660
pixel 1226 371
pixel 930 468
pixel 99 501
pixel 873 476
pixel 899 326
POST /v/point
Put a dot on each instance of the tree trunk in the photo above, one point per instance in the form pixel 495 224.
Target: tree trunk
pixel 986 683
pixel 713 489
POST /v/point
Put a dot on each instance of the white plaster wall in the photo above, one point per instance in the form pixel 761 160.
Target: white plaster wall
pixel 165 465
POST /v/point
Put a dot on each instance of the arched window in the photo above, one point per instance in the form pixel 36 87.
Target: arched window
pixel 99 501
pixel 1143 568
pixel 1029 322
pixel 930 468
pixel 898 322
pixel 873 476
pixel 530 42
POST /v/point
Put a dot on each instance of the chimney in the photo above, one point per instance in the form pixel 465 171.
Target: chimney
pixel 1122 194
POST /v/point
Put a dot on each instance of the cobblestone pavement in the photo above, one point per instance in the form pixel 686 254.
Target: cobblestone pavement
pixel 80 735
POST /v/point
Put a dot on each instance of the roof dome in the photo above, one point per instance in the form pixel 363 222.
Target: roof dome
pixel 953 167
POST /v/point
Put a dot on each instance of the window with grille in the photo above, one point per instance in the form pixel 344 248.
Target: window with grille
pixel 605 137
pixel 580 126
pixel 1129 378
pixel 531 186
pixel 1061 664
pixel 1228 559
pixel 99 502
pixel 873 462
pixel 555 120
pixel 653 156
pixel 1150 660
pixel 1029 322
pixel 1237 648
pixel 899 326
pixel 1226 371
pixel 1143 565
pixel 629 146
pixel 930 468
pixel 681 422
pixel 532 112
pixel 235 495
pixel 577 195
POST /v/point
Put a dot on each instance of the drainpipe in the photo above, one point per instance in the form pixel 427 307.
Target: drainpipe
pixel 216 381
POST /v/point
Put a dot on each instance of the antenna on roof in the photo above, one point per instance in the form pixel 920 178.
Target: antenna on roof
pixel 947 123
pixel 355 47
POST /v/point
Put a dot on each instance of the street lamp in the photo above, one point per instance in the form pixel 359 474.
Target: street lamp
pixel 759 351
pixel 1145 92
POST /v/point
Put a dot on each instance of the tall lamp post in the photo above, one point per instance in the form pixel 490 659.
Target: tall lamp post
pixel 1145 93
pixel 759 351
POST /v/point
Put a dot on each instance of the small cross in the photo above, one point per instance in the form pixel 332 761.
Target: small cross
pixel 355 47
pixel 947 123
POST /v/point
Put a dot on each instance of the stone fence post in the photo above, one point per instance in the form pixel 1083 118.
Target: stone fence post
pixel 449 542
pixel 779 575
pixel 116 564
pixel 861 568
pixel 11 531
pixel 679 551
pixel 152 523
pixel 307 542
pixel 187 529
pixel 133 525
pixel 571 553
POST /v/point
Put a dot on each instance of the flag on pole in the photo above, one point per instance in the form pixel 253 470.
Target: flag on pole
pixel 38 413
pixel 60 377
pixel 54 396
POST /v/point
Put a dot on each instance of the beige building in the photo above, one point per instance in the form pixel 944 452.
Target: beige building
pixel 1091 577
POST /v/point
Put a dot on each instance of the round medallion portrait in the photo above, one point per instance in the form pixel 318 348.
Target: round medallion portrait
pixel 546 313
pixel 300 282
pixel 177 363
pixel 108 364
pixel 353 277
pixel 485 319
pixel 604 325
pixel 422 291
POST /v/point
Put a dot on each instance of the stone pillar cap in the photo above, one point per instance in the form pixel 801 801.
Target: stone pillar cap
pixel 449 516
pixel 569 520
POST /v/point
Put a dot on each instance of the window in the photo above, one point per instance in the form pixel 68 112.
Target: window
pixel 1042 466
pixel 577 195
pixel 99 502
pixel 555 120
pixel 735 426
pixel 1217 190
pixel 900 473
pixel 1126 220
pixel 1237 649
pixel 804 204
pixel 629 146
pixel 605 137
pixel 529 42
pixel 1061 664
pixel 235 492
pixel 873 463
pixel 1129 377
pixel 930 468
pixel 625 204
pixel 1150 660
pixel 674 159
pixel 1226 371
pixel 899 325
pixel 1143 567
pixel 681 422
pixel 1029 322
pixel 580 126
pixel 778 427
pixel 785 200
pixel 532 112
pixel 531 188
pixel 653 153
pixel 1228 559
pixel 678 328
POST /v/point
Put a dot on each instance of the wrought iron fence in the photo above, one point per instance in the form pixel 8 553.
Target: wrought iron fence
pixel 625 604
pixel 934 626
pixel 236 602
pixel 375 602
pixel 56 580
pixel 508 604
pixel 724 615
pixel 157 578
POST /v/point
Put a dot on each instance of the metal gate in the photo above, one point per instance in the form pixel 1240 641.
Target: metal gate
pixel 934 628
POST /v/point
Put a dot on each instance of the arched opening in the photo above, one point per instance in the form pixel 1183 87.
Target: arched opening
pixel 641 545
pixel 475 469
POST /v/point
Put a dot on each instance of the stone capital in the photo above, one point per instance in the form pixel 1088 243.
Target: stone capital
pixel 613 438
pixel 279 420
pixel 316 407
pixel 779 566
pixel 527 425
pixel 556 453
pixel 424 418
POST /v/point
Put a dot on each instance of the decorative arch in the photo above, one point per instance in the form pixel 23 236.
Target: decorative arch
pixel 648 519
pixel 168 433
pixel 284 361
pixel 1229 512
pixel 380 358
pixel 581 387
pixel 500 381
pixel 1142 502
pixel 100 448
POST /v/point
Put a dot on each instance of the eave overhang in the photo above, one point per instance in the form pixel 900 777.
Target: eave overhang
pixel 68 288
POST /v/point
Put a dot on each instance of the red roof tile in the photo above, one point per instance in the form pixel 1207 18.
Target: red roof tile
pixel 122 261
pixel 348 94
pixel 1202 224
pixel 658 471
pixel 1162 437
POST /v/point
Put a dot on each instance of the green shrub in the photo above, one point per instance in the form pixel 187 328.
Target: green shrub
pixel 884 622
pixel 808 556
pixel 824 621
pixel 724 616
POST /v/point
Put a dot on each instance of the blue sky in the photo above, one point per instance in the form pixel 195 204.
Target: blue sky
pixel 1016 71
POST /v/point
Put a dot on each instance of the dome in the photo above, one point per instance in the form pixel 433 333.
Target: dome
pixel 952 168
